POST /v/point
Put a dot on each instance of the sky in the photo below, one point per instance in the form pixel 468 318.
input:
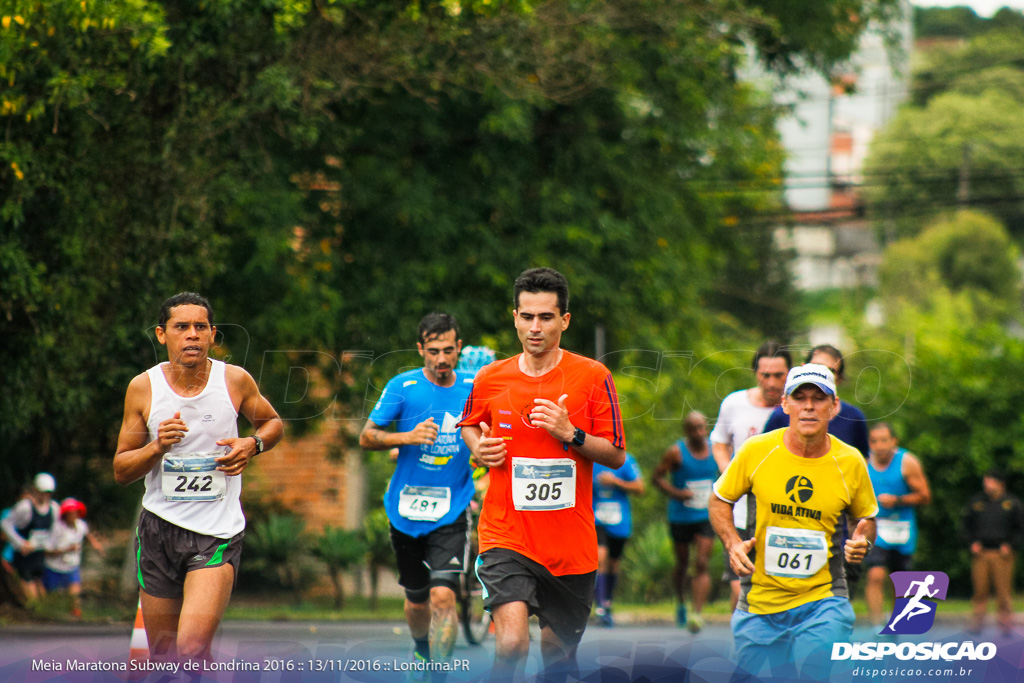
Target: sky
pixel 984 8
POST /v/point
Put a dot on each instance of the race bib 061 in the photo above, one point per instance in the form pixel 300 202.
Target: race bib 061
pixel 794 553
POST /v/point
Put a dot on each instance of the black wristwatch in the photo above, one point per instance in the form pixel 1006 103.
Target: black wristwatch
pixel 259 444
pixel 578 437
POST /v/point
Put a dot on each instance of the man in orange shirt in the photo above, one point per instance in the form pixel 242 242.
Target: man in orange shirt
pixel 539 420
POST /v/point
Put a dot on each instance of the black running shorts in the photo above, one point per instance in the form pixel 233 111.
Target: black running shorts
pixel 560 602
pixel 165 553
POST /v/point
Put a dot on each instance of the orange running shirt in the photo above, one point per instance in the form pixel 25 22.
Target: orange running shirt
pixel 554 522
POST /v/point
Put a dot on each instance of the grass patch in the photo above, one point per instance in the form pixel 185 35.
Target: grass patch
pixel 253 608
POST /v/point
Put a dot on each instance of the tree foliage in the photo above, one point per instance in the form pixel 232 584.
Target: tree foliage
pixel 339 549
pixel 957 142
pixel 948 378
pixel 962 21
pixel 327 172
pixel 968 253
pixel 958 149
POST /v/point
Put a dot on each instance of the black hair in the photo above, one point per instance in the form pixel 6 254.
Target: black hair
pixel 830 350
pixel 772 349
pixel 882 425
pixel 537 280
pixel 435 324
pixel 997 474
pixel 181 299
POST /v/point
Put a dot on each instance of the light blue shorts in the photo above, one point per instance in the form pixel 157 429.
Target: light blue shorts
pixel 794 643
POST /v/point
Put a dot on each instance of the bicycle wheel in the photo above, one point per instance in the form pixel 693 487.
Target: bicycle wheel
pixel 476 621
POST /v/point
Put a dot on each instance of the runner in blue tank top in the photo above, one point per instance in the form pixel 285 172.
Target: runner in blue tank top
pixel 900 486
pixel 613 519
pixel 429 494
pixel 686 473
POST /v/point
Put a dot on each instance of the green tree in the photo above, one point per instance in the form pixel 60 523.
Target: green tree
pixel 329 171
pixel 966 253
pixel 950 383
pixel 947 22
pixel 340 549
pixel 279 545
pixel 379 555
pixel 923 159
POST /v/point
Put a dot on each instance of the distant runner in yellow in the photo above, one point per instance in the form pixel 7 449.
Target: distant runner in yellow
pixel 793 603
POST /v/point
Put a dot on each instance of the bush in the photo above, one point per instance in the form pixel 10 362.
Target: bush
pixel 647 565
pixel 339 549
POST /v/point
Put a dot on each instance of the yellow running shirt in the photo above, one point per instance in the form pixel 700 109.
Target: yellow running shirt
pixel 799 550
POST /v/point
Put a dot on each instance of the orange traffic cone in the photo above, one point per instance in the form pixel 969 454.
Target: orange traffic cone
pixel 138 649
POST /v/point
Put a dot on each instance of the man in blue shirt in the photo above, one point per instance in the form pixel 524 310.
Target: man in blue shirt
pixel 900 486
pixel 686 474
pixel 613 519
pixel 429 494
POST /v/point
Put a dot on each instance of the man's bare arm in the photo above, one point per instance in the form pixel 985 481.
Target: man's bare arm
pixel 913 474
pixel 376 438
pixel 553 417
pixel 136 455
pixel 720 515
pixel 635 487
pixel 722 453
pixel 266 423
pixel 670 462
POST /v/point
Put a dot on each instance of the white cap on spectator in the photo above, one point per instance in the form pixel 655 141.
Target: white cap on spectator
pixel 45 482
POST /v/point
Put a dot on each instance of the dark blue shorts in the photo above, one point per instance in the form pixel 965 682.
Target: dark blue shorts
pixel 56 581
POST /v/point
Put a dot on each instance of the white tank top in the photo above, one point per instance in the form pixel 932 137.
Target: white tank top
pixel 210 416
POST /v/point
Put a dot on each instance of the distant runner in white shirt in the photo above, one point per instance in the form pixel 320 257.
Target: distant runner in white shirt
pixel 742 415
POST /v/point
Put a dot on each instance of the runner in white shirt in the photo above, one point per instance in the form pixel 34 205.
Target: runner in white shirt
pixel 742 415
pixel 180 434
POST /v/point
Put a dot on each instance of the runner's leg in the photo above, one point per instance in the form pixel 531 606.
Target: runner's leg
pixel 207 592
pixel 511 639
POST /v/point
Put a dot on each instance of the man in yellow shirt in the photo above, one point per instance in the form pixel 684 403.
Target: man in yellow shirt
pixel 794 602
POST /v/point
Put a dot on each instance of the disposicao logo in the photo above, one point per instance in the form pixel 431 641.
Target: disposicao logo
pixel 914 612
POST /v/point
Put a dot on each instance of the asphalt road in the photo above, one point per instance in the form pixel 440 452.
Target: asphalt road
pixel 279 652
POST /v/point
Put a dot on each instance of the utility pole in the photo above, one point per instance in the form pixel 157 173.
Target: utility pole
pixel 599 342
pixel 963 190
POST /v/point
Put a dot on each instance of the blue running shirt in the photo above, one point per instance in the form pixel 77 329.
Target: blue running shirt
pixel 432 484
pixel 611 504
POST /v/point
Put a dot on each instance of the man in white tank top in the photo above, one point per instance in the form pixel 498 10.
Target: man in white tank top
pixel 180 432
pixel 742 415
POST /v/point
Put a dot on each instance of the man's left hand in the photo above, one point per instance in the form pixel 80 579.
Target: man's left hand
pixel 857 546
pixel 237 459
pixel 553 418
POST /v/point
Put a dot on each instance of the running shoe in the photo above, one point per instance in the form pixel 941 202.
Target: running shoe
pixel 681 615
pixel 418 674
pixel 695 623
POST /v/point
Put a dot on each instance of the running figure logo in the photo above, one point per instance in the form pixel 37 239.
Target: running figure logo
pixel 914 612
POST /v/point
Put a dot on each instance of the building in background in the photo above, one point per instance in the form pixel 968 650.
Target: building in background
pixel 826 139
